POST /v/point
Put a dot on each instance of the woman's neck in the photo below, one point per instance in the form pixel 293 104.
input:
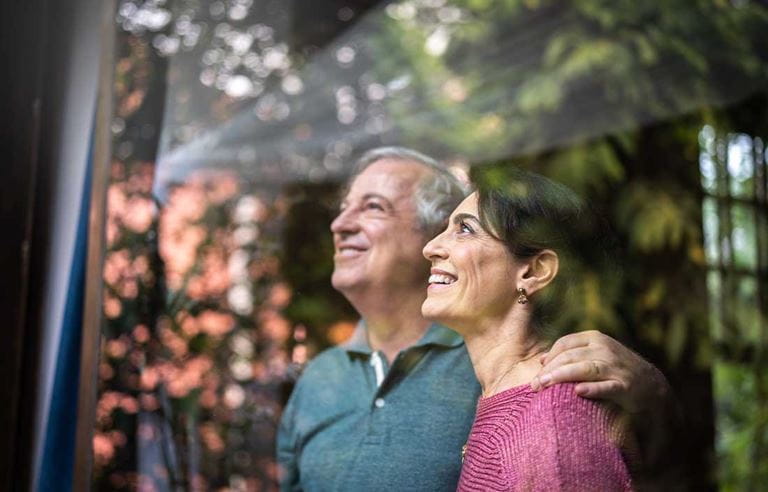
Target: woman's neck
pixel 504 355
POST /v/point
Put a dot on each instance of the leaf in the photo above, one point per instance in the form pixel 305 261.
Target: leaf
pixel 676 338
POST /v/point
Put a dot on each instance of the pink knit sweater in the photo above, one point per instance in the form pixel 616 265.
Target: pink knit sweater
pixel 552 440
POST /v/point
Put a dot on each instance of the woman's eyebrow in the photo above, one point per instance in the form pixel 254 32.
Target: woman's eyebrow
pixel 464 216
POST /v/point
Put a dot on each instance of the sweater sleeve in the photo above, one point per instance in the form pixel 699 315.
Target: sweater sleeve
pixel 572 444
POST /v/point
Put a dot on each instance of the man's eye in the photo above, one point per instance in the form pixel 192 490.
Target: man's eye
pixel 465 228
pixel 373 206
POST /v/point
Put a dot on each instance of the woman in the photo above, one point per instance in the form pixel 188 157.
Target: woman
pixel 497 270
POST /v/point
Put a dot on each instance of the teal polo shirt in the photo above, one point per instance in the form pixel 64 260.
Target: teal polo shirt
pixel 354 423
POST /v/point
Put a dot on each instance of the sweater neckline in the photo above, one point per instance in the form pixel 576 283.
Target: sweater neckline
pixel 486 403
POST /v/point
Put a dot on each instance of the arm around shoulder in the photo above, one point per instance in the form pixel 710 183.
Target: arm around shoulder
pixel 578 443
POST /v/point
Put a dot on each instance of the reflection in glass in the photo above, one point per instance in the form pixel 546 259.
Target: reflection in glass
pixel 237 121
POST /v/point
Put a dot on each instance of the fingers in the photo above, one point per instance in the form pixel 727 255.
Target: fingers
pixel 570 356
pixel 576 372
pixel 604 390
pixel 568 342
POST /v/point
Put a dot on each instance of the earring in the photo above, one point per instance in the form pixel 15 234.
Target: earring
pixel 523 297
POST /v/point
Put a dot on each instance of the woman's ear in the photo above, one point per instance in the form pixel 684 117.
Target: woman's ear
pixel 541 270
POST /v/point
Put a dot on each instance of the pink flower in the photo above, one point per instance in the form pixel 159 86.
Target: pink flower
pixel 141 333
pixel 149 378
pixel 280 295
pixel 103 449
pixel 116 266
pixel 222 188
pixel 274 327
pixel 215 324
pixel 116 348
pixel 139 214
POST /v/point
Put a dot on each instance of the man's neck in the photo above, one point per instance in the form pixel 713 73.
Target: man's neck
pixel 392 335
pixel 394 323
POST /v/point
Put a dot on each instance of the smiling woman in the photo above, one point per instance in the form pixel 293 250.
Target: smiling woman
pixel 502 250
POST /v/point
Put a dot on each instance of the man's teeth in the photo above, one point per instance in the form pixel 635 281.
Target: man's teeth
pixel 441 279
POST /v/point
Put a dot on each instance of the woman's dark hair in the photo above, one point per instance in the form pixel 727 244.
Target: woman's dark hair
pixel 530 213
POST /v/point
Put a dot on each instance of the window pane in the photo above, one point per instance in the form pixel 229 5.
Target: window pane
pixel 238 124
pixel 741 166
pixel 743 237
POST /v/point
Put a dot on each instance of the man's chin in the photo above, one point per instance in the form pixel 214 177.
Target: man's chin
pixel 344 283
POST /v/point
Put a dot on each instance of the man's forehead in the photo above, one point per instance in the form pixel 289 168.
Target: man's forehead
pixel 393 179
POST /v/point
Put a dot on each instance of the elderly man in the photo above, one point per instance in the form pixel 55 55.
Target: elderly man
pixel 391 408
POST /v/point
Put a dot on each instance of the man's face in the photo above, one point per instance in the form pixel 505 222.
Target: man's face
pixel 376 234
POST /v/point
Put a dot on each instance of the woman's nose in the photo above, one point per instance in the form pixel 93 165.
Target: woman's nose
pixel 435 248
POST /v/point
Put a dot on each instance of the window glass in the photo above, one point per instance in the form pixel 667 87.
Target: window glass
pixel 238 123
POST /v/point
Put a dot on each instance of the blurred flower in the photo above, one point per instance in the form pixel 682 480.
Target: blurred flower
pixel 234 396
pixel 174 342
pixel 129 404
pixel 103 449
pixel 149 378
pixel 274 326
pixel 190 326
pixel 240 369
pixel 141 178
pixel 116 266
pixel 222 188
pixel 141 333
pixel 214 278
pixel 240 299
pixel 249 209
pixel 138 214
pixel 105 371
pixel 118 438
pixel 215 324
pixel 208 398
pixel 280 295
pixel 299 355
pixel 242 346
pixel 116 348
pixel 340 332
pixel 112 306
pixel 211 438
pixel 181 379
pixel 128 289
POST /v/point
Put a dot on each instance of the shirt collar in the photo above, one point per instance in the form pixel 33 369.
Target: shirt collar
pixel 436 335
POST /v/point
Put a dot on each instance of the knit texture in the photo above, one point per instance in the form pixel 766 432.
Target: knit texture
pixel 550 440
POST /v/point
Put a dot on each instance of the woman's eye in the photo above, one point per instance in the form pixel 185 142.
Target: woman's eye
pixel 373 206
pixel 463 227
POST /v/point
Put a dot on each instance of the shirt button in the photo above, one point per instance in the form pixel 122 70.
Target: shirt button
pixel 379 402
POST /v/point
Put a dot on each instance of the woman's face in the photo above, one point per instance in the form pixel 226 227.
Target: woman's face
pixel 473 274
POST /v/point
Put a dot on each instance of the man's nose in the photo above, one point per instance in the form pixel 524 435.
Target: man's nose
pixel 346 221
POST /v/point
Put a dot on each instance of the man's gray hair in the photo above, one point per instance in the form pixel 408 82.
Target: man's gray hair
pixel 436 195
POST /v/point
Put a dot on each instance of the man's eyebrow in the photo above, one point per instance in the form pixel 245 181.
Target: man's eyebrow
pixel 376 195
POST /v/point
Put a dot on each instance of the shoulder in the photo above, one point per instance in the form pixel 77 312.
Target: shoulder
pixel 563 400
pixel 559 410
pixel 329 365
pixel 327 359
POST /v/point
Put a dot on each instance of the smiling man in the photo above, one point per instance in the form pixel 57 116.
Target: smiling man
pixel 391 408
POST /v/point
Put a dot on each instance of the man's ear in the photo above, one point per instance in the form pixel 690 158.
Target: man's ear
pixel 540 270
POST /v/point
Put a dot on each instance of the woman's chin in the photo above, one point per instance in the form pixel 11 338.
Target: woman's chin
pixel 432 313
pixel 438 315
